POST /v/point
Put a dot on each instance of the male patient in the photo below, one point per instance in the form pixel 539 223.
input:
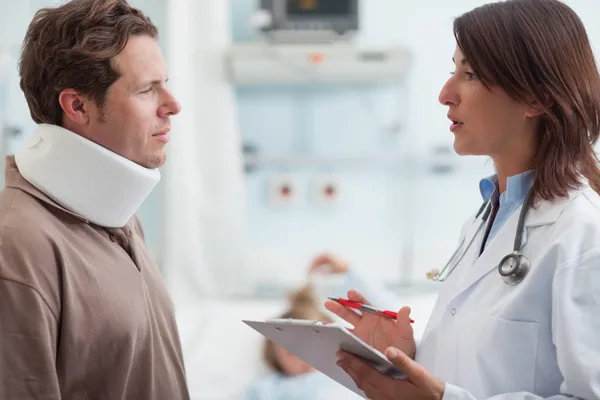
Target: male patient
pixel 84 313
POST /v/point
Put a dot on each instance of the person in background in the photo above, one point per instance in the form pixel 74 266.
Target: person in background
pixel 290 377
pixel 330 264
pixel 84 311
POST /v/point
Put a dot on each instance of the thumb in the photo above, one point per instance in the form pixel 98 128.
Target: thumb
pixel 415 372
pixel 403 315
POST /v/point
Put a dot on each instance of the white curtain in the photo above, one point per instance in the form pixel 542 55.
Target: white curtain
pixel 204 188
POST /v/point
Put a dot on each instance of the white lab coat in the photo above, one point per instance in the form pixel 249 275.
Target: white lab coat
pixel 538 339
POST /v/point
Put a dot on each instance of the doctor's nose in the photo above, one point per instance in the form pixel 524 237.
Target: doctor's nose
pixel 448 95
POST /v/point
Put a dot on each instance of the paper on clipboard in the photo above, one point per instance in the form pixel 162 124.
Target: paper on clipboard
pixel 317 343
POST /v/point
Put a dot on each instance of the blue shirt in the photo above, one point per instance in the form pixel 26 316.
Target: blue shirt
pixel 313 385
pixel 517 187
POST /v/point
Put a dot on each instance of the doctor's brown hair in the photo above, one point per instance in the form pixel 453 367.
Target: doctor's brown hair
pixel 72 47
pixel 303 306
pixel 539 53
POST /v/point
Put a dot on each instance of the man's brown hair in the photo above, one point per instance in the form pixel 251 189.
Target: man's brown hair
pixel 73 46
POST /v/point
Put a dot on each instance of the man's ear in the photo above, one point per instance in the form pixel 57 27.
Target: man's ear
pixel 75 106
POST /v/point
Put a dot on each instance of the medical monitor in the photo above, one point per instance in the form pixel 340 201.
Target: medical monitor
pixel 311 20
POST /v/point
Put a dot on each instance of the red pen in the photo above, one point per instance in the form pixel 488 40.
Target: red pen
pixel 366 308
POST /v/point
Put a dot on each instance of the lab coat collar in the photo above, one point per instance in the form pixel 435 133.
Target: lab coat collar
pixel 544 213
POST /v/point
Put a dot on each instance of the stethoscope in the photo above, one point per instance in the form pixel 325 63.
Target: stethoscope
pixel 513 267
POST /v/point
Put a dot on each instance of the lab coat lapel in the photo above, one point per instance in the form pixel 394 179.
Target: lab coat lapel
pixel 502 244
pixel 499 246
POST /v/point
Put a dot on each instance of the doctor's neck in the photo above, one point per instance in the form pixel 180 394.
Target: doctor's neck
pixel 517 152
pixel 513 163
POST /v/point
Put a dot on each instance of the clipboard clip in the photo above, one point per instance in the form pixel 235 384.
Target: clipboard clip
pixel 292 321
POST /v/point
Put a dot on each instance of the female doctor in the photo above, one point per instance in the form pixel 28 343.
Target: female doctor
pixel 518 316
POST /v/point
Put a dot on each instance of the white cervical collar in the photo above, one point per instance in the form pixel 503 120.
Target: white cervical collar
pixel 84 177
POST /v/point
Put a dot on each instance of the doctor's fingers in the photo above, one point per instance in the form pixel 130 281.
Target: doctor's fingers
pixel 427 385
pixel 375 385
pixel 346 314
pixel 390 390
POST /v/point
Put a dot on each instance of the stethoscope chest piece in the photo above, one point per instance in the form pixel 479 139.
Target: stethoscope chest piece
pixel 513 268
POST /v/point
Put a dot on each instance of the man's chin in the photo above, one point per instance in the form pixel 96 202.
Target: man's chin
pixel 155 161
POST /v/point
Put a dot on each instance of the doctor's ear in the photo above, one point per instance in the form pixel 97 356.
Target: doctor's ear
pixel 75 106
pixel 539 104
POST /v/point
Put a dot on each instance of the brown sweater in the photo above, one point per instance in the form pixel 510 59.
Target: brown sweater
pixel 84 313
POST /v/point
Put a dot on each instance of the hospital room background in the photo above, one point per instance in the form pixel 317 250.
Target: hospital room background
pixel 284 150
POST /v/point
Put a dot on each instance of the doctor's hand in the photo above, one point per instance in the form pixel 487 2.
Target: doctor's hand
pixel 419 384
pixel 378 331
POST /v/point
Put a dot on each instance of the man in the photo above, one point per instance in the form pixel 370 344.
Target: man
pixel 83 310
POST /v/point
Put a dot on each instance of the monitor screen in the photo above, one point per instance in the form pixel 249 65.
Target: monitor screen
pixel 307 8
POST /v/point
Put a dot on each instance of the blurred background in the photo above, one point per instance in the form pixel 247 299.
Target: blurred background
pixel 307 126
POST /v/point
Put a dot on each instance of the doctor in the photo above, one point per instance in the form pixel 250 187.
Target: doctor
pixel 526 92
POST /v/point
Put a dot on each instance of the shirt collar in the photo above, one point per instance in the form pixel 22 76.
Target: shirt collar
pixel 517 187
pixel 487 187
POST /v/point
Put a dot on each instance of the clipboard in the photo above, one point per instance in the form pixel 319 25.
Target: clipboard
pixel 316 343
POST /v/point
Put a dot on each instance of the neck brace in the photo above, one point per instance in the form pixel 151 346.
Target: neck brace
pixel 84 177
